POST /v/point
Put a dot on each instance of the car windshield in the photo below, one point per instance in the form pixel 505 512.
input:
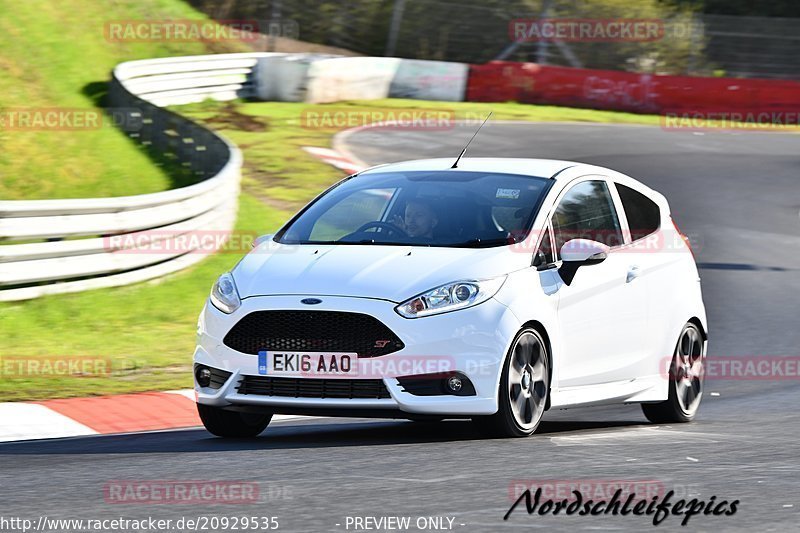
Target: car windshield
pixel 423 208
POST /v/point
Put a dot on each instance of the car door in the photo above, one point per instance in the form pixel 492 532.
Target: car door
pixel 651 262
pixel 602 312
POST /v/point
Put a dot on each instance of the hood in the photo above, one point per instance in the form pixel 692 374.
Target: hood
pixel 394 273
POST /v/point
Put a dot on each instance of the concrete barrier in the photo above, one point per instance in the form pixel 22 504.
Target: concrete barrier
pixel 430 80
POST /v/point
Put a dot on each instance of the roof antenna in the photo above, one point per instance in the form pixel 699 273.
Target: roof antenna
pixel 455 165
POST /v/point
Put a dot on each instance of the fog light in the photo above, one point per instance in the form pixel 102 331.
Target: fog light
pixel 203 376
pixel 454 383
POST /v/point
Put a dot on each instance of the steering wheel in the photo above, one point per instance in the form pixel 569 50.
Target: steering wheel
pixel 390 228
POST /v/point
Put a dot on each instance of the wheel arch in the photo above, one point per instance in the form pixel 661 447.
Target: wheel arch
pixel 697 322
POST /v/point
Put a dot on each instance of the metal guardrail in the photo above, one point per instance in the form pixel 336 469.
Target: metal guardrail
pixel 78 254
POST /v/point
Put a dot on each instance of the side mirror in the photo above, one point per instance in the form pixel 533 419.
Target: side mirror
pixel 262 238
pixel 577 253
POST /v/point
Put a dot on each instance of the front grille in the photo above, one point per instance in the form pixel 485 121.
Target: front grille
pixel 313 388
pixel 312 331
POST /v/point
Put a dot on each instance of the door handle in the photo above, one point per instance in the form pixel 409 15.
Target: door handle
pixel 633 272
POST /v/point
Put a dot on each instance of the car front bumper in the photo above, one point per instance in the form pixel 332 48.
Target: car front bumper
pixel 470 341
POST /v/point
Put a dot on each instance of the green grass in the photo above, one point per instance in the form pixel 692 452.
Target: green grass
pixel 55 55
pixel 148 329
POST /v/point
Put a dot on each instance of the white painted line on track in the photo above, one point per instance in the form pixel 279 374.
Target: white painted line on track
pixel 188 393
pixel 24 421
pixel 416 480
pixel 283 418
pixel 622 437
pixel 332 157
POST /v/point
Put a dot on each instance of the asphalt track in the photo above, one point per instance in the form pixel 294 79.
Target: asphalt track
pixel 737 194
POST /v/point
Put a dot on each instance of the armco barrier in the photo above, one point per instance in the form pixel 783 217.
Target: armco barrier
pixel 624 91
pixel 32 269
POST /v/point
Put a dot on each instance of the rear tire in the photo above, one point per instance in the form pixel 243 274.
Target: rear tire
pixel 523 391
pixel 685 380
pixel 232 424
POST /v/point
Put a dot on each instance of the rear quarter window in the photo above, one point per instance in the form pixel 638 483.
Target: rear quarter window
pixel 644 215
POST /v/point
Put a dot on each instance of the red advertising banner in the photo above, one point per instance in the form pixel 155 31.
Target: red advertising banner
pixel 501 81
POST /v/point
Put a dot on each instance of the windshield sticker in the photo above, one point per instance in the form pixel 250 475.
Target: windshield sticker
pixel 508 194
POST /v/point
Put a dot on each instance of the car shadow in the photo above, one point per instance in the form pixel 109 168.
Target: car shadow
pixel 307 434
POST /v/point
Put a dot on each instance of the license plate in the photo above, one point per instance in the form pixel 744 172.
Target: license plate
pixel 307 364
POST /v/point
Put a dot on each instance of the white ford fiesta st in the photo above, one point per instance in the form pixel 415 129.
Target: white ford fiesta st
pixel 493 290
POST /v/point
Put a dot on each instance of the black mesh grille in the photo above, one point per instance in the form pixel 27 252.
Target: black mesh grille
pixel 312 331
pixel 218 376
pixel 313 388
pixel 435 384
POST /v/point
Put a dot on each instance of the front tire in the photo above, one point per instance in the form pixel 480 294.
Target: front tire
pixel 685 380
pixel 524 388
pixel 232 424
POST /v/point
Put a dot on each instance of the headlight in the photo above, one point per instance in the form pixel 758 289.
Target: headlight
pixel 224 295
pixel 456 295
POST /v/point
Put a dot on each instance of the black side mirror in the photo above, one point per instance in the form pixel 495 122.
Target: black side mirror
pixel 539 260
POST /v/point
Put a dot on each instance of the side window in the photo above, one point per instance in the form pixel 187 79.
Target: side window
pixel 586 212
pixel 644 216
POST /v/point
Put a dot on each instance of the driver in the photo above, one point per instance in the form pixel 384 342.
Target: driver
pixel 420 219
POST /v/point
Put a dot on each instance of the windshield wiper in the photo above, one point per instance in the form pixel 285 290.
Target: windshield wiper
pixel 374 241
pixel 484 243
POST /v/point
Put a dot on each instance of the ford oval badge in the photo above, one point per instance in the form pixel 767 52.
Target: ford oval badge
pixel 311 301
